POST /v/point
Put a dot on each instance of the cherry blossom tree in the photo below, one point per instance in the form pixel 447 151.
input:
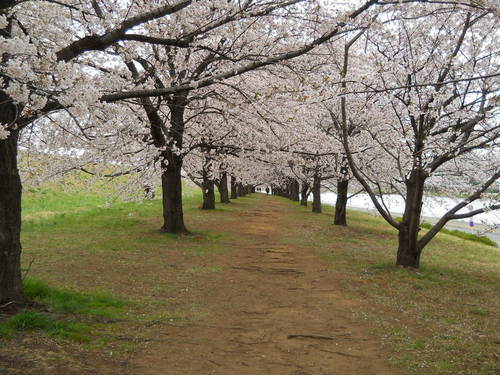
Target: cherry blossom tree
pixel 436 86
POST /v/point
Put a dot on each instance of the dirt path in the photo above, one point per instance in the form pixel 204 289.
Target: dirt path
pixel 273 308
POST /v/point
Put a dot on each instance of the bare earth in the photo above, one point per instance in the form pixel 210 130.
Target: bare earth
pixel 265 307
pixel 274 309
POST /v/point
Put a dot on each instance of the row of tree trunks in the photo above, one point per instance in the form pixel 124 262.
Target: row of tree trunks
pixel 242 190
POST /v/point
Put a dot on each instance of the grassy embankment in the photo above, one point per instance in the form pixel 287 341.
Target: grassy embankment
pixel 442 319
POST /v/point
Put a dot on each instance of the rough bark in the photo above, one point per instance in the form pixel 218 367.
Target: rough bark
pixel 173 216
pixel 223 190
pixel 316 190
pixel 171 182
pixel 341 203
pixel 11 287
pixel 409 250
pixel 304 194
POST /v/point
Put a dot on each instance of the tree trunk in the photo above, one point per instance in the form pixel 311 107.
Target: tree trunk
pixel 223 191
pixel 316 190
pixel 409 250
pixel 239 189
pixel 171 179
pixel 234 190
pixel 11 287
pixel 304 194
pixel 208 186
pixel 294 190
pixel 171 182
pixel 208 195
pixel 341 203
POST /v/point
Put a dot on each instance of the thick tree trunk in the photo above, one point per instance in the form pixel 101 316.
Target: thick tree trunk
pixel 208 195
pixel 294 190
pixel 234 190
pixel 171 179
pixel 171 182
pixel 316 190
pixel 409 250
pixel 11 287
pixel 304 194
pixel 341 203
pixel 223 190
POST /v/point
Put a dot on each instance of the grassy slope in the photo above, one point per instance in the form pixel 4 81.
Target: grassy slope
pixel 440 320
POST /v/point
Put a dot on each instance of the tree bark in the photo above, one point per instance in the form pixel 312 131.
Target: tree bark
pixel 11 286
pixel 208 195
pixel 294 190
pixel 234 190
pixel 304 194
pixel 341 203
pixel 171 182
pixel 409 250
pixel 223 190
pixel 208 186
pixel 173 215
pixel 316 190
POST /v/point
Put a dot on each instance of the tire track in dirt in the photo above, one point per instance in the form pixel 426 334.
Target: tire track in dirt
pixel 273 309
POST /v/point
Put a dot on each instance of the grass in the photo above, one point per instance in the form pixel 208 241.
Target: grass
pixel 80 232
pixel 464 235
pixel 64 303
pixel 460 234
pixel 440 319
pixel 35 321
pixel 69 302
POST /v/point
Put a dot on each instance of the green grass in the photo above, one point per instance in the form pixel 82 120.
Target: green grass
pixel 464 235
pixel 65 303
pixel 460 234
pixel 35 321
pixel 70 302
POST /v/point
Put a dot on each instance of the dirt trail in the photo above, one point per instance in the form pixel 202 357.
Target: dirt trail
pixel 272 309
